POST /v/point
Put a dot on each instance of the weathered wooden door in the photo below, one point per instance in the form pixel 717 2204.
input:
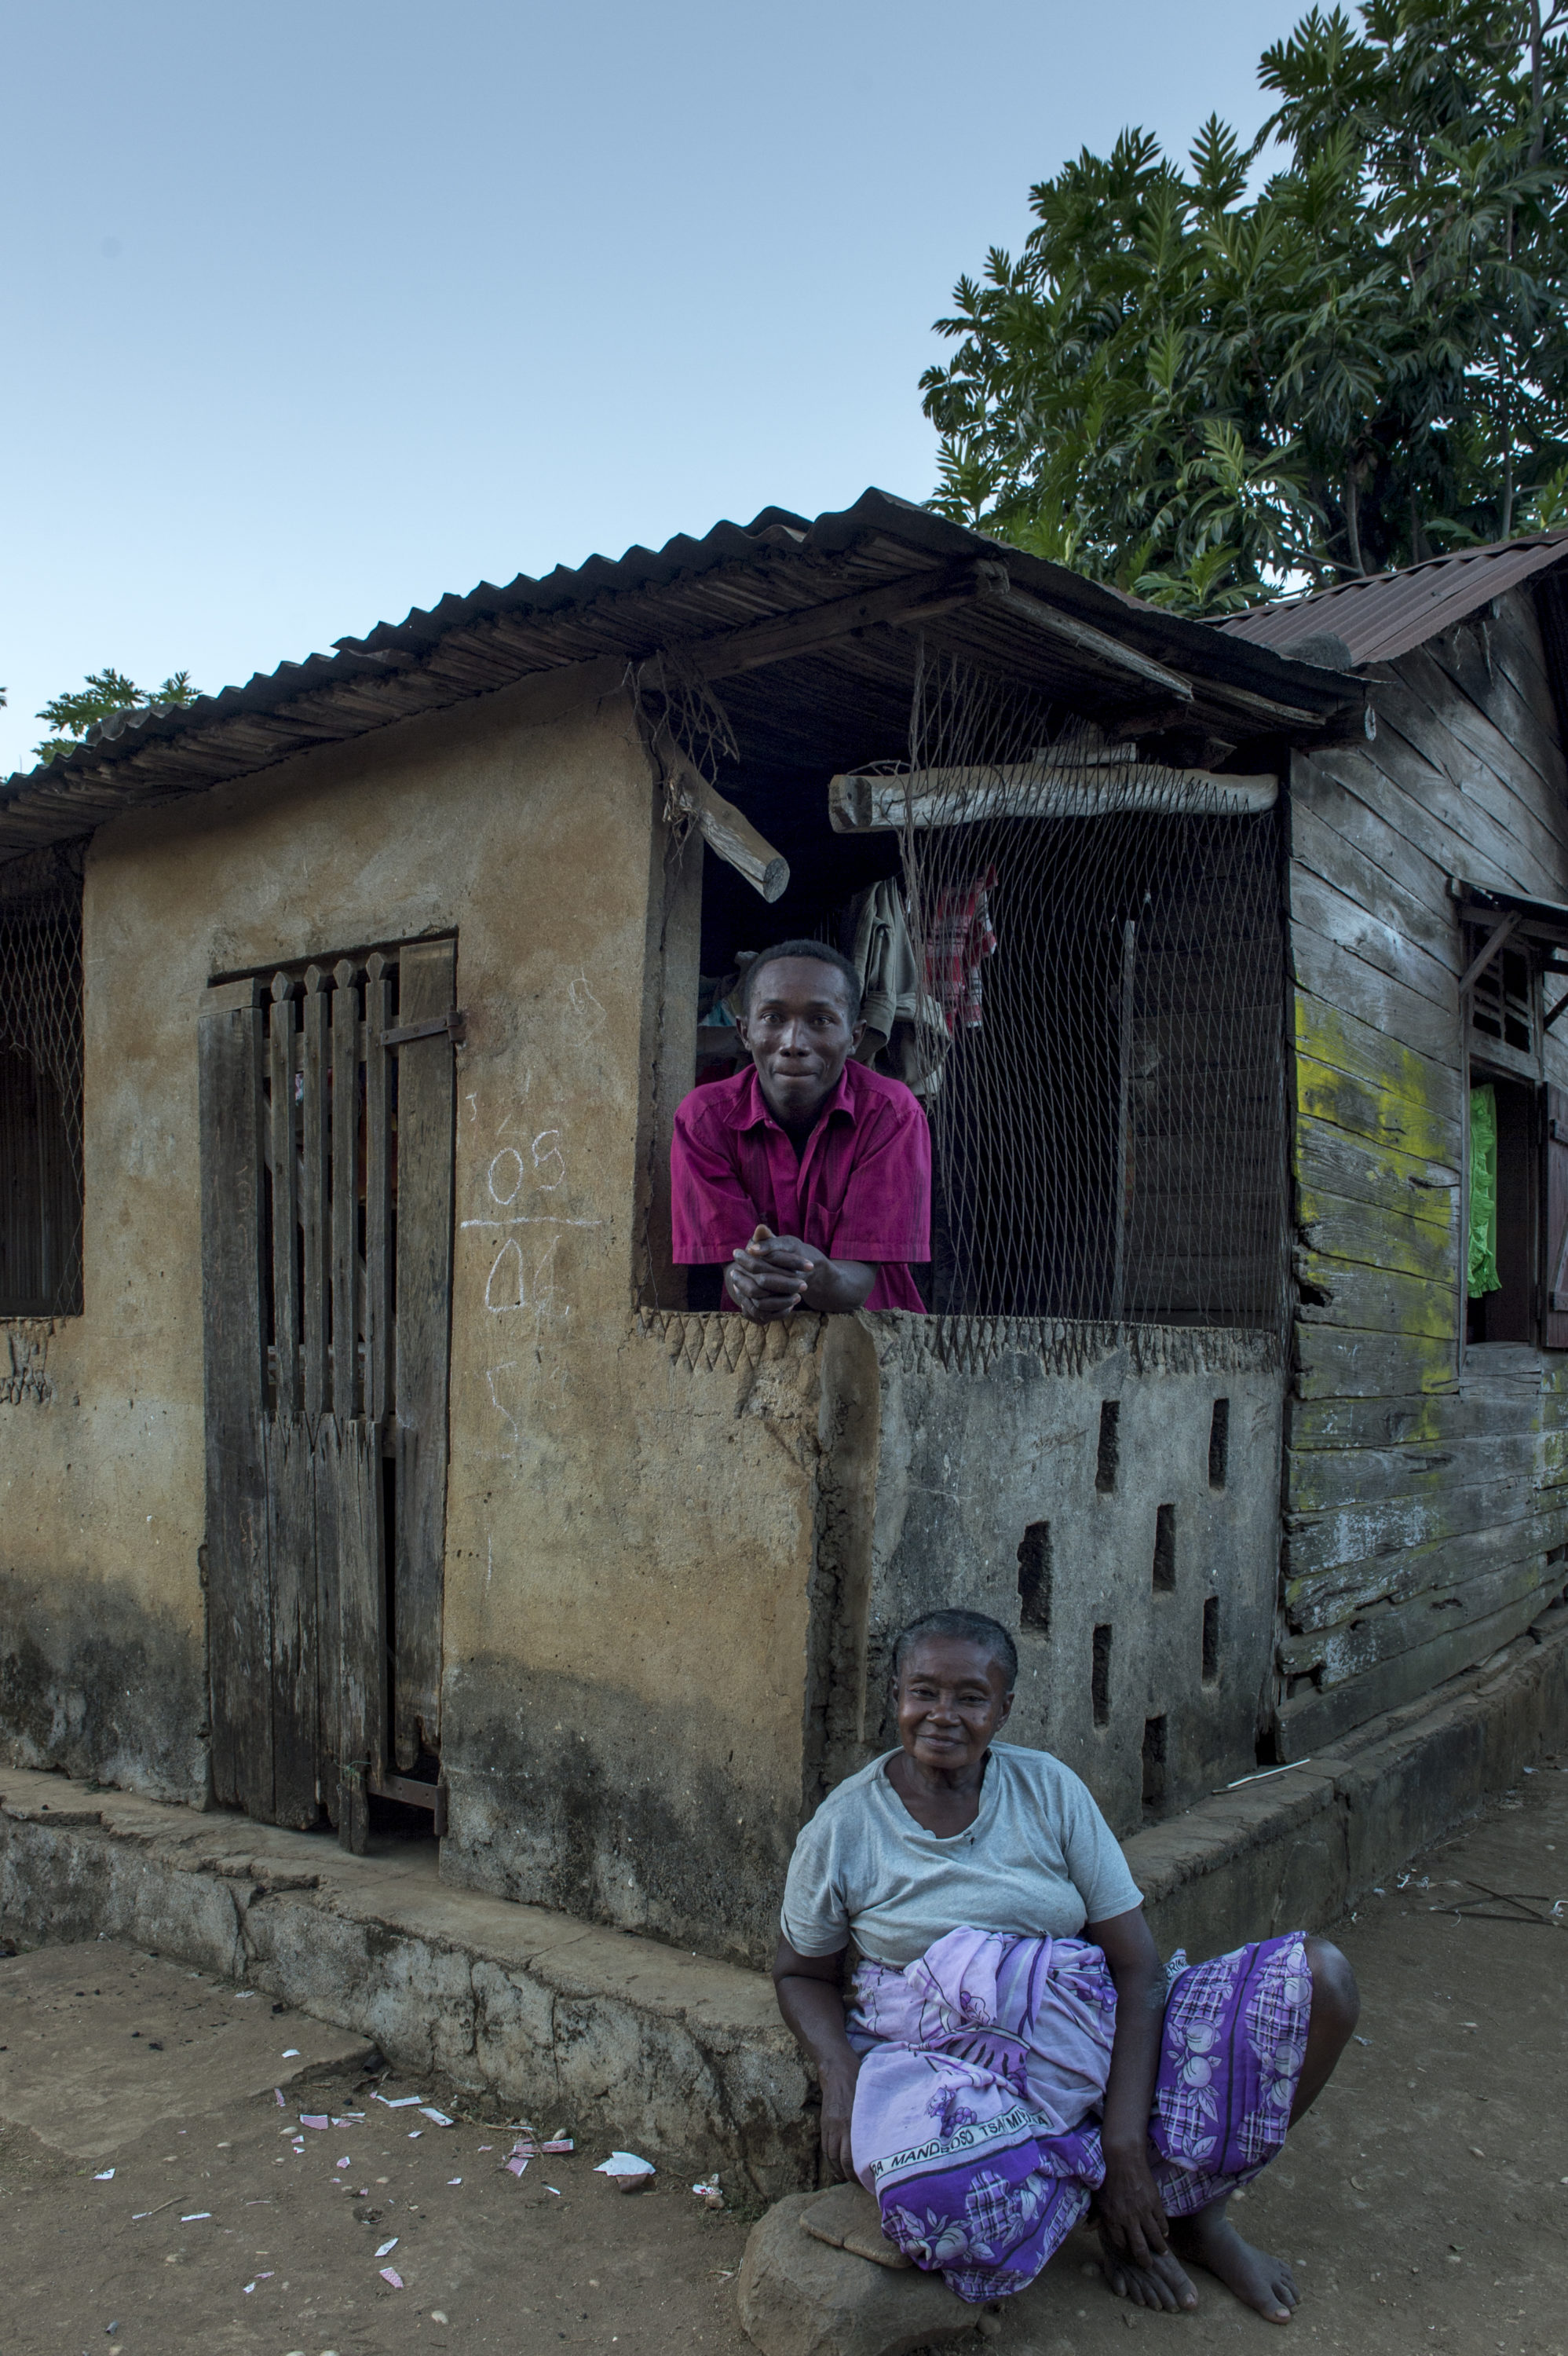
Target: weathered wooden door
pixel 326 1106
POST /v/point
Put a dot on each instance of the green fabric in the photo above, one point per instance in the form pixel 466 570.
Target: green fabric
pixel 1483 1276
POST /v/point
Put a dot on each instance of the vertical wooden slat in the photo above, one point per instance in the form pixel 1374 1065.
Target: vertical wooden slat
pixel 285 1199
pixel 239 1603
pixel 355 1456
pixel 328 1620
pixel 290 1545
pixel 313 1202
pixel 426 1107
pixel 377 1190
pixel 345 1192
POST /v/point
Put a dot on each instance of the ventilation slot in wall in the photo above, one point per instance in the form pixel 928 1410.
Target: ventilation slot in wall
pixel 1154 1764
pixel 1034 1578
pixel 1165 1551
pixel 1100 1680
pixel 1219 1443
pixel 1109 1455
pixel 1210 1640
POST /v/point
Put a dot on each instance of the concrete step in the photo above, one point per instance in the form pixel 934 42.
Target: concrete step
pixel 631 2041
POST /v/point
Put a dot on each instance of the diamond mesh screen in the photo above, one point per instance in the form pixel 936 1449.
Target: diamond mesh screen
pixel 40 1085
pixel 1103 954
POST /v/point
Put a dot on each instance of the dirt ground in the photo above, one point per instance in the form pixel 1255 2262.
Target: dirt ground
pixel 1424 2203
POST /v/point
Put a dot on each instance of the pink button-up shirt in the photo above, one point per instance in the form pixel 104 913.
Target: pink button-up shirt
pixel 861 1188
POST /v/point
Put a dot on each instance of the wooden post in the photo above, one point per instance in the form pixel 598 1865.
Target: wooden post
pixel 427 1097
pixel 1123 1111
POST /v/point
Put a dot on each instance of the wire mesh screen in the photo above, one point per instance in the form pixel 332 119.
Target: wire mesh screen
pixel 1102 946
pixel 40 1085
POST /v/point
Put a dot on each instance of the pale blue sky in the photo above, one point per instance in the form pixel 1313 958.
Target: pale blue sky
pixel 319 311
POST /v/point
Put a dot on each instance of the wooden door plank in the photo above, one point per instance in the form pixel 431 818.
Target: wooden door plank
pixel 285 1199
pixel 426 1108
pixel 239 1613
pixel 328 1620
pixel 345 1192
pixel 314 1205
pixel 290 1546
pixel 355 1451
pixel 378 1190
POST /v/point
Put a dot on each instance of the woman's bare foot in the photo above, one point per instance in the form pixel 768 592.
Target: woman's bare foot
pixel 1160 2284
pixel 1258 2281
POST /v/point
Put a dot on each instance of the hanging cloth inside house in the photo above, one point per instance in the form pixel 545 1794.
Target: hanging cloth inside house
pixel 960 938
pixel 1482 1208
pixel 905 1034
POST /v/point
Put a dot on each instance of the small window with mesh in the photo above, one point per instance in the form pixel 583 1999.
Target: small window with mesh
pixel 1503 1001
pixel 40 1085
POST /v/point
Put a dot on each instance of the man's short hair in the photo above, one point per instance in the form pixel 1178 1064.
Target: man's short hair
pixel 973 1627
pixel 821 953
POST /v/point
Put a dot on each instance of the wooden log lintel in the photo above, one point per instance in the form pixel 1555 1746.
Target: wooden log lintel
pixel 727 832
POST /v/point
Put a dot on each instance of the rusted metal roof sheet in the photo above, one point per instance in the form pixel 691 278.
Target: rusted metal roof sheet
pixel 777 567
pixel 1385 617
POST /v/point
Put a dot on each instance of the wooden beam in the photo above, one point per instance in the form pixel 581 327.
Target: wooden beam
pixel 862 805
pixel 1328 727
pixel 996 595
pixel 1487 952
pixel 914 598
pixel 727 832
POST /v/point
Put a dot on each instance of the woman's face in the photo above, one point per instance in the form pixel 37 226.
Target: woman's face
pixel 951 1698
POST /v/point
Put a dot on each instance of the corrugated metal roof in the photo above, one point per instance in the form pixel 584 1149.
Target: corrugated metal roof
pixel 1381 619
pixel 777 566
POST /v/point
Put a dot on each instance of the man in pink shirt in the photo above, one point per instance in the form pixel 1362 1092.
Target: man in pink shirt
pixel 808 1177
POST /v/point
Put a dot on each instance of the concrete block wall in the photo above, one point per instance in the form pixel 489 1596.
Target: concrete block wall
pixel 1110 1493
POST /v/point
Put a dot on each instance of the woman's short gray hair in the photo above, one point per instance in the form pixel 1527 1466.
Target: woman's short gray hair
pixel 971 1627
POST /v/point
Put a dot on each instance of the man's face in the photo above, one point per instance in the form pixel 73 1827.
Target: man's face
pixel 799 1034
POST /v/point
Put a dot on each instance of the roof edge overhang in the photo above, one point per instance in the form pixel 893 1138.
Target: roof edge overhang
pixel 740 597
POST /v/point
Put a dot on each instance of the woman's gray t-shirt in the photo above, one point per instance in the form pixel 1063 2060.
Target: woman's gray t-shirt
pixel 1038 1860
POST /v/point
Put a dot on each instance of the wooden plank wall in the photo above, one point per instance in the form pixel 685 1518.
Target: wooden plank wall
pixel 1426 1498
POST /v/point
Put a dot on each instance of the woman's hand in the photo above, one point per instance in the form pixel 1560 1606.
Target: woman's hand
pixel 838 2109
pixel 1128 2207
pixel 811 1999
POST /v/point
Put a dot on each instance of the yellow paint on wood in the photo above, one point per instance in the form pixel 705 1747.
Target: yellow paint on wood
pixel 1365 1109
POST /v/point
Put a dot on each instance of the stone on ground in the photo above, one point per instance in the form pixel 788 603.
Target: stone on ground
pixel 800 2296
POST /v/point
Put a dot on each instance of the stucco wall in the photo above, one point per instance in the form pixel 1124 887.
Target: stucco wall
pixel 626 1568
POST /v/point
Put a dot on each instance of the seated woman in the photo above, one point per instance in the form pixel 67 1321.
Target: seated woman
pixel 1005 2055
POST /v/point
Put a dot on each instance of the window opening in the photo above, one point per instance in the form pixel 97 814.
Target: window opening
pixel 41 1085
pixel 1503 1001
pixel 1090 963
pixel 1219 1443
pixel 1210 1640
pixel 1034 1578
pixel 1165 1551
pixel 1155 1745
pixel 1108 1454
pixel 1503 1213
pixel 1100 1676
pixel 1102 946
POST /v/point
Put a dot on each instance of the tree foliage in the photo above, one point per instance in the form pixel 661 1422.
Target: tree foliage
pixel 70 715
pixel 1201 393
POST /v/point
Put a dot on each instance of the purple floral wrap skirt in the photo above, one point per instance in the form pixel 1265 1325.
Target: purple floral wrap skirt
pixel 975 2120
